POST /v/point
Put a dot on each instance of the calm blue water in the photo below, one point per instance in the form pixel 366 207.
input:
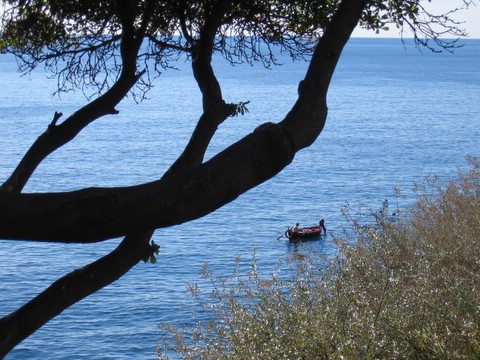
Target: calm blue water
pixel 396 116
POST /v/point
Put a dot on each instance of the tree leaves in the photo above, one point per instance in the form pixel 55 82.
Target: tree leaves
pixel 154 249
pixel 59 33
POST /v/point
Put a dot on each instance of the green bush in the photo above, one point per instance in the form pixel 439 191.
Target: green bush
pixel 408 289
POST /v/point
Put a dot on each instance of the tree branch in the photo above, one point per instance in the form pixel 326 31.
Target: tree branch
pixel 307 117
pixel 97 214
pixel 215 109
pixel 57 136
pixel 71 288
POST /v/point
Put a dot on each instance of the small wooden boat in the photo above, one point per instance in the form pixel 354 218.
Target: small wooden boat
pixel 307 232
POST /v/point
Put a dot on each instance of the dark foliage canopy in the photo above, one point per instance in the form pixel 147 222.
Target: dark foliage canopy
pixel 81 41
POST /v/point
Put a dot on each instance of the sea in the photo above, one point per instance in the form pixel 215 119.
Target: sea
pixel 397 114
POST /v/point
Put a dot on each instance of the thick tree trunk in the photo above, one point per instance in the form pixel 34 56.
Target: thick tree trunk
pixel 97 214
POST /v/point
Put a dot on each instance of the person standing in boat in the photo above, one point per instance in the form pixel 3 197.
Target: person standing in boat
pixel 321 223
pixel 295 227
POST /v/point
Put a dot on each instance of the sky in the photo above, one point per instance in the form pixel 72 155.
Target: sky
pixel 471 17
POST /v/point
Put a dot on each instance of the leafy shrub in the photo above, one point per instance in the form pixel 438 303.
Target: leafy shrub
pixel 405 289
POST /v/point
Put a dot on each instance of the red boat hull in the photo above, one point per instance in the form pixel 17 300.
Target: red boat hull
pixel 308 232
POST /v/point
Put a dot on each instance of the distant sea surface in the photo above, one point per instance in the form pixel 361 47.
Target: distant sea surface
pixel 396 115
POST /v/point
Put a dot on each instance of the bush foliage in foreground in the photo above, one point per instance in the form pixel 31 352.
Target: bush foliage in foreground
pixel 408 289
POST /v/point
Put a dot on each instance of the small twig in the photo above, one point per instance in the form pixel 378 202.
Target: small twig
pixel 56 116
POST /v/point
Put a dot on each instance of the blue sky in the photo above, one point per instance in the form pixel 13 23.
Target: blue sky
pixel 470 17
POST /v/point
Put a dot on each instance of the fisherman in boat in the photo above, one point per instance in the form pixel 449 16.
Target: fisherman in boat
pixel 295 227
pixel 321 223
